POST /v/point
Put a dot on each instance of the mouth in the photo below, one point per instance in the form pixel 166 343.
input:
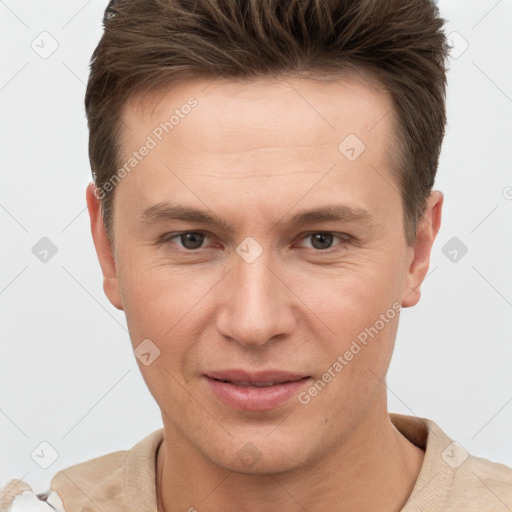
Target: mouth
pixel 253 384
pixel 254 391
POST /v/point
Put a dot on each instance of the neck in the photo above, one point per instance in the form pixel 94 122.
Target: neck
pixel 373 468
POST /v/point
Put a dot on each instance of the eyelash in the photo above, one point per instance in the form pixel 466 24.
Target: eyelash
pixel 344 238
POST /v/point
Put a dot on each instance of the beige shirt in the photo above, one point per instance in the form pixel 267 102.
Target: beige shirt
pixel 124 481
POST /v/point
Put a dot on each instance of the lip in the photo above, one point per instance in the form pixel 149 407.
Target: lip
pixel 240 392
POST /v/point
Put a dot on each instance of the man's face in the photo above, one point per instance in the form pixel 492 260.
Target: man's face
pixel 261 293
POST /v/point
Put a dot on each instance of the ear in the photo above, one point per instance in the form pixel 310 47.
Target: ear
pixel 426 232
pixel 103 248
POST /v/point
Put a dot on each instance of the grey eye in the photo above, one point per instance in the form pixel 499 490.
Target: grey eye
pixel 191 240
pixel 321 240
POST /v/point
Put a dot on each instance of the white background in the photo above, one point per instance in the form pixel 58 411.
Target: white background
pixel 67 372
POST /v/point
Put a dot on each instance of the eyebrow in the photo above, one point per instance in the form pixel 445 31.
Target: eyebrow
pixel 164 212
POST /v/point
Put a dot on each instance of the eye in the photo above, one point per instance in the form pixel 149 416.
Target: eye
pixel 322 240
pixel 193 240
pixel 188 240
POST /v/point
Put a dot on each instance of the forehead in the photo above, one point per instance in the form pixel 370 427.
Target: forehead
pixel 240 115
pixel 264 139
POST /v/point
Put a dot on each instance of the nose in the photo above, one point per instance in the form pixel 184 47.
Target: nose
pixel 256 307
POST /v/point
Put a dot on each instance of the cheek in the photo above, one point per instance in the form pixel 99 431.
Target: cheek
pixel 352 297
pixel 141 301
pixel 162 307
pixel 166 305
pixel 357 310
pixel 354 366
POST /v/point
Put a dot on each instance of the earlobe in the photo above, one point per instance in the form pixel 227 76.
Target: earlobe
pixel 426 232
pixel 103 247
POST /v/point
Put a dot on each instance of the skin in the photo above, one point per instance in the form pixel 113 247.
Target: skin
pixel 255 153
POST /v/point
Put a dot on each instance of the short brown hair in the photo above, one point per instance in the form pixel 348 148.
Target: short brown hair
pixel 148 43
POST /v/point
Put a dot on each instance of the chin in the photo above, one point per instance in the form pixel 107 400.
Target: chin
pixel 263 455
